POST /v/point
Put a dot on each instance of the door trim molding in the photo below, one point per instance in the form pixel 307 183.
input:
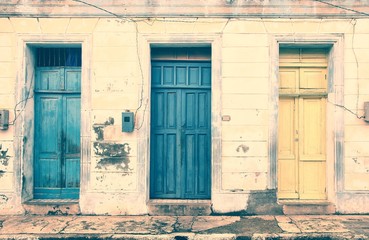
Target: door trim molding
pixel 179 40
pixel 335 114
pixel 24 126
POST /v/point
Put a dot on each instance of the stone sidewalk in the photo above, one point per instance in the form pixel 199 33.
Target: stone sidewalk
pixel 185 227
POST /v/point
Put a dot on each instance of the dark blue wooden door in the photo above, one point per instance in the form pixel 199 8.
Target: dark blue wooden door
pixel 57 133
pixel 181 130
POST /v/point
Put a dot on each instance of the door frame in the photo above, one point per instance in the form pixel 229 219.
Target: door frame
pixel 180 40
pixel 24 126
pixel 334 113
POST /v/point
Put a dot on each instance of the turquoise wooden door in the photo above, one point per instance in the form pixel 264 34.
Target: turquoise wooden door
pixel 180 130
pixel 57 133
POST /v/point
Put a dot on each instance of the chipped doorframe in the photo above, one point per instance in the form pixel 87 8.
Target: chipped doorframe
pixel 335 114
pixel 24 125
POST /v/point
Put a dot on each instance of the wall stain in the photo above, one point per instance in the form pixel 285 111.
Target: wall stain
pixel 2 173
pixel 242 147
pixel 355 160
pixel 112 154
pixel 88 225
pixel 4 157
pixel 3 199
pixel 56 212
pixel 99 128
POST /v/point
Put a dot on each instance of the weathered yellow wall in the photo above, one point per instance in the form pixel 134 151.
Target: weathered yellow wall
pixel 7 101
pixel 116 82
pixel 356 90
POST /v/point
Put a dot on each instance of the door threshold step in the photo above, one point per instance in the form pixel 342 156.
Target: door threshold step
pixel 52 201
pixel 52 207
pixel 307 207
pixel 306 202
pixel 166 207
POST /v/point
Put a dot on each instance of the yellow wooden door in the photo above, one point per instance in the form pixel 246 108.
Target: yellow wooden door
pixel 301 134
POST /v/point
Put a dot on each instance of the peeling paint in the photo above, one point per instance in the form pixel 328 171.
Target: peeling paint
pixel 242 147
pixel 100 178
pixel 236 190
pixel 99 132
pixel 99 128
pixel 110 121
pixel 57 212
pixel 355 160
pixel 3 199
pixel 4 157
pixel 112 154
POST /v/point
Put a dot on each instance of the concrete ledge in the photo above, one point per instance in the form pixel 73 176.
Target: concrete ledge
pixel 353 202
pixel 177 208
pixel 307 207
pixel 50 207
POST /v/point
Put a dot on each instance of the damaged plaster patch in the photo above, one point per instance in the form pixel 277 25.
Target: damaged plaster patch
pixel 112 154
pixel 242 147
pixel 4 157
pixel 99 128
pixel 99 132
pixel 3 199
pixel 56 212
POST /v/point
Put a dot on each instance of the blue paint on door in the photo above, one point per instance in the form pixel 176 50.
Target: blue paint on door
pixel 57 133
pixel 180 130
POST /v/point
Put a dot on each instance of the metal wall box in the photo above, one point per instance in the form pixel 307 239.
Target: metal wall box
pixel 4 119
pixel 127 121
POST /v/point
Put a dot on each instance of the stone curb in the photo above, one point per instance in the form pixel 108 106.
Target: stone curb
pixel 183 236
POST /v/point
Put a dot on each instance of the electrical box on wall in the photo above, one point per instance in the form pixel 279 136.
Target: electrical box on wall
pixel 127 121
pixel 4 119
pixel 366 111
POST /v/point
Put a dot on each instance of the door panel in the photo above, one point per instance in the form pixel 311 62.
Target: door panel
pixel 73 79
pixel 287 149
pixel 313 78
pixel 288 78
pixel 47 138
pixel 164 142
pixel 180 130
pixel 312 145
pixel 71 141
pixel 312 180
pixel 57 133
pixel 312 129
pixel 49 78
pixel 195 128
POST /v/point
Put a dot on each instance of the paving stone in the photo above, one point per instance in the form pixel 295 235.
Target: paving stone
pixel 203 223
pixel 289 227
pixel 283 219
pixel 34 224
pixel 322 226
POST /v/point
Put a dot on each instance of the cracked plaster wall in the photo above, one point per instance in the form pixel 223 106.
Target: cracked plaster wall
pixel 192 8
pixel 116 180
